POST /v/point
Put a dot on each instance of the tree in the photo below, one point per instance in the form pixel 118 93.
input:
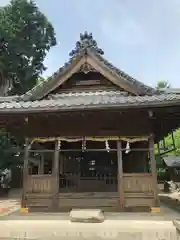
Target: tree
pixel 25 38
pixel 41 79
pixel 10 151
pixel 169 143
pixel 161 171
pixel 163 85
pixel 168 139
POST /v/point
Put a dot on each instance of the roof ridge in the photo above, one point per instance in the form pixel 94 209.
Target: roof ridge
pixel 86 42
pixel 88 45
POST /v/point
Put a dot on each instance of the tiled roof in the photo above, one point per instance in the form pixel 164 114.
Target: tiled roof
pixel 10 98
pixel 90 100
pixel 172 161
pixel 88 45
pixel 172 90
pixel 144 88
pixel 50 80
pixel 91 94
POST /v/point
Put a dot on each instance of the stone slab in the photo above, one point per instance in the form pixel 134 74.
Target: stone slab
pixel 87 215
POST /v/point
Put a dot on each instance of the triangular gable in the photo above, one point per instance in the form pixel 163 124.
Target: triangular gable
pixel 87 52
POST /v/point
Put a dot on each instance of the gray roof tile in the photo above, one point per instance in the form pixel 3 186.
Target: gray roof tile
pixel 172 161
pixel 88 100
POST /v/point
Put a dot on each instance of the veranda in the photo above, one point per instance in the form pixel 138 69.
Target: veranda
pixel 106 172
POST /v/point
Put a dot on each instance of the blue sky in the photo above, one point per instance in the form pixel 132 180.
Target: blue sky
pixel 141 37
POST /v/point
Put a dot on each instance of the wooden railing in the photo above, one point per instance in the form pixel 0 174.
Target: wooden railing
pixel 92 183
pixel 137 183
pixel 39 184
pixel 133 183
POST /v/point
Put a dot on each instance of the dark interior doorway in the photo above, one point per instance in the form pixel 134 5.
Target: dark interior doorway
pixel 89 171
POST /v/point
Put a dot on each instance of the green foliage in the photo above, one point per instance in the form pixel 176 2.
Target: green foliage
pixel 10 153
pixel 161 169
pixel 169 143
pixel 163 85
pixel 41 79
pixel 159 161
pixel 25 38
pixel 168 139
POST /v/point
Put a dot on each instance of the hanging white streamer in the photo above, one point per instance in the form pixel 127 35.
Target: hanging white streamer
pixel 83 145
pixel 107 146
pixel 127 148
pixel 59 144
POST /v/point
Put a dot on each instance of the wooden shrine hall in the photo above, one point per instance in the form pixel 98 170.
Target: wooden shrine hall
pixel 89 133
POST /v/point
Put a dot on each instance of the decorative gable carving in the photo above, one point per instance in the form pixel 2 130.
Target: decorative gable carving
pixel 86 68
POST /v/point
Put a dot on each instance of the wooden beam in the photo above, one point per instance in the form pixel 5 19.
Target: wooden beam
pixel 120 174
pixel 55 178
pixel 153 170
pixel 25 173
pixel 109 123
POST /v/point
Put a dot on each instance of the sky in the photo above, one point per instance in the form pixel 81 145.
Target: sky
pixel 140 37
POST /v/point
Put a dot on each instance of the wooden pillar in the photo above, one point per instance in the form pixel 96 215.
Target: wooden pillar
pixel 55 178
pixel 41 165
pixel 120 174
pixel 61 164
pixel 25 173
pixel 153 169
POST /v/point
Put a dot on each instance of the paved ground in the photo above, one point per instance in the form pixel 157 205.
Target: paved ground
pixel 7 206
pixel 10 210
pixel 49 226
pixel 166 214
pixel 109 229
pixel 57 225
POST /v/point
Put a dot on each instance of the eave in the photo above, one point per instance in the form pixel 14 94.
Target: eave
pixel 88 101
